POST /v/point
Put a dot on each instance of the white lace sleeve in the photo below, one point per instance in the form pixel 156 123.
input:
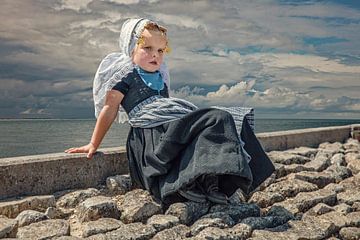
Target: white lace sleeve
pixel 113 68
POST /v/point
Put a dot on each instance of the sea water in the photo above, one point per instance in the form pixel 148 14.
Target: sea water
pixel 19 137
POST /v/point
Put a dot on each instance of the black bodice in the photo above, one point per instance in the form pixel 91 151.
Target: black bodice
pixel 135 90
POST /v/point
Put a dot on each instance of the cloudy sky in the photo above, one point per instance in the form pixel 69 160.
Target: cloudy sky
pixel 285 58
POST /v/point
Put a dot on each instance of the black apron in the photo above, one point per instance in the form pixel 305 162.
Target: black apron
pixel 165 158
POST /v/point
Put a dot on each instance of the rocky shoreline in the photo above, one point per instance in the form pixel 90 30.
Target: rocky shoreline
pixel 314 194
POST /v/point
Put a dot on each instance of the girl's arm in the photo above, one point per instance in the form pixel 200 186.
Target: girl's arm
pixel 103 123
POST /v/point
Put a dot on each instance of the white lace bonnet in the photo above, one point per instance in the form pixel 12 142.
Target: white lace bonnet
pixel 115 66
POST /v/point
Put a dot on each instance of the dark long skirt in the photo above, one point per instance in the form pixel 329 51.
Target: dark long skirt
pixel 165 158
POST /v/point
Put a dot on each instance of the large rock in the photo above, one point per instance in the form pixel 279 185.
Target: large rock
pixel 215 233
pixel 268 234
pixel 237 212
pixel 349 196
pixel 72 199
pixel 203 223
pixel 312 228
pixel 101 225
pixel 30 216
pixel 306 200
pixel 337 172
pixel 333 148
pixel 97 207
pixel 175 233
pixel 277 192
pixel 356 206
pixel 343 208
pixel 266 198
pixel 224 216
pixel 352 156
pixel 281 212
pixel 59 213
pixel 287 158
pixel 338 159
pixel 339 220
pixel 119 184
pixel 8 227
pixel 137 206
pixel 134 231
pixel 350 233
pixel 304 151
pixel 100 236
pixel 353 162
pixel 353 219
pixel 188 212
pixel 321 161
pixel 320 179
pixel 335 187
pixel 351 182
pixel 265 222
pixel 319 209
pixel 295 168
pixel 44 230
pixel 161 222
pixel 68 238
pixel 354 166
pixel 352 143
pixel 240 231
pixel 39 203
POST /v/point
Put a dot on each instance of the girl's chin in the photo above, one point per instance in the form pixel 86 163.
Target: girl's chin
pixel 151 68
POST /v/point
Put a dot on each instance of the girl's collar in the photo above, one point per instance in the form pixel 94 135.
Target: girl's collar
pixel 140 70
pixel 151 79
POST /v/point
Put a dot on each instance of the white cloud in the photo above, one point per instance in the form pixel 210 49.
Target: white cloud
pixel 323 10
pixel 179 20
pixel 130 1
pixel 310 62
pixel 76 5
pixel 274 99
pixel 229 92
pixel 353 107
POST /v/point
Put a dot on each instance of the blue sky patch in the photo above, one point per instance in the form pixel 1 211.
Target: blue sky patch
pixel 315 41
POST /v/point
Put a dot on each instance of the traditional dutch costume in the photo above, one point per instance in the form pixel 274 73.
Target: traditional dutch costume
pixel 172 143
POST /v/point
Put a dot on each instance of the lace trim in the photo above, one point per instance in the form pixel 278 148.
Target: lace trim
pixel 138 107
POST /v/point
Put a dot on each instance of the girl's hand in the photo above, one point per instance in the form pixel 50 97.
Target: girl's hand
pixel 90 149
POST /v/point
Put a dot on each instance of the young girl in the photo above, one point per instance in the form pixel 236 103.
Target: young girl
pixel 175 150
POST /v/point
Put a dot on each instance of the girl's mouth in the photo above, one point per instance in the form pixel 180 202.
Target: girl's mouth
pixel 153 62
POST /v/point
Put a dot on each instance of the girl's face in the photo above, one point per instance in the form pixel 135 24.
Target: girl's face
pixel 149 55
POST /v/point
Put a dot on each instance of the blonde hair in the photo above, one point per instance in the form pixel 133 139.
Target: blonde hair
pixel 152 26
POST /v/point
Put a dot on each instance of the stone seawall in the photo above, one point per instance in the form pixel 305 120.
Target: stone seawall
pixel 48 173
pixel 310 137
pixel 313 194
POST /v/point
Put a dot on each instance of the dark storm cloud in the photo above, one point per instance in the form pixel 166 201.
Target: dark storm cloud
pixel 8 47
pixel 29 72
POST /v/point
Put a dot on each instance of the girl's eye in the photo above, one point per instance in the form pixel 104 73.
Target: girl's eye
pixel 161 51
pixel 147 48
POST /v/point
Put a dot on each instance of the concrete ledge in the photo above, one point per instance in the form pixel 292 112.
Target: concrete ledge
pixel 310 137
pixel 48 173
